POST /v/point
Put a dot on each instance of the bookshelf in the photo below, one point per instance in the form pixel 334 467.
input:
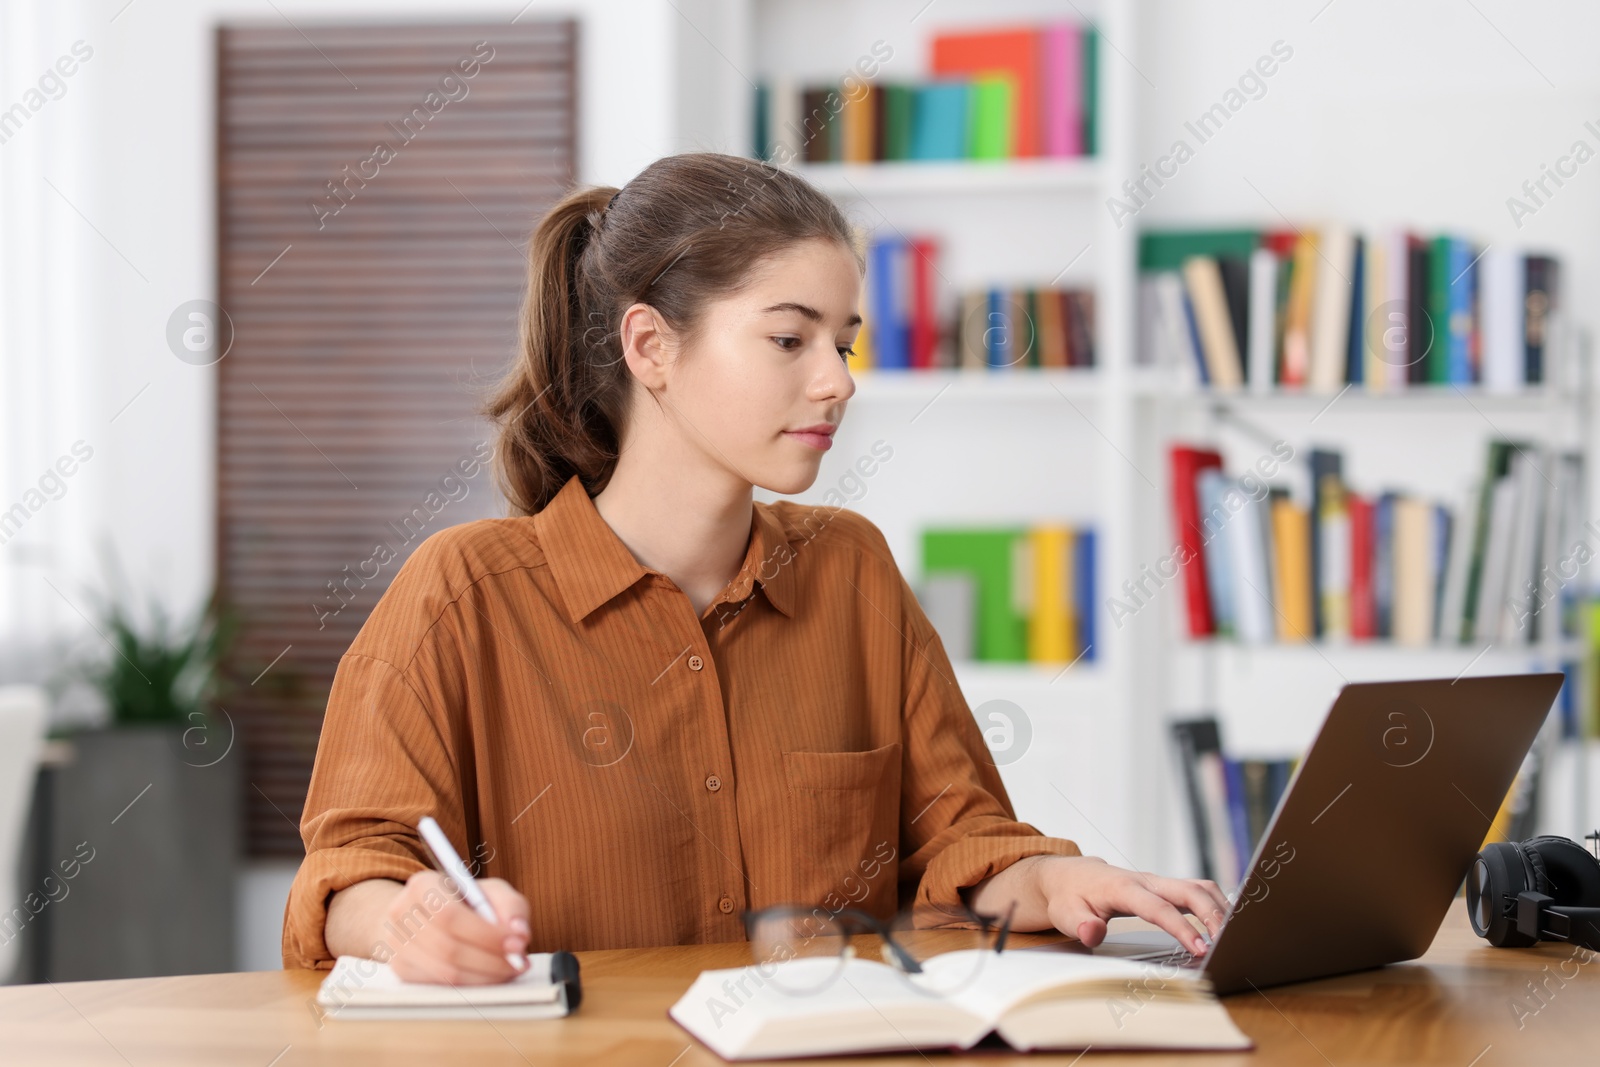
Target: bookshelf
pixel 1089 446
pixel 1007 446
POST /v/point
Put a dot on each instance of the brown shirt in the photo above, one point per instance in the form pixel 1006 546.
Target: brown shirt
pixel 642 774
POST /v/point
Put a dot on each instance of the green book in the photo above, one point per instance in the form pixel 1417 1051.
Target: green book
pixel 1497 467
pixel 1438 358
pixel 761 141
pixel 992 101
pixel 988 555
pixel 898 102
pixel 1168 249
pixel 1091 91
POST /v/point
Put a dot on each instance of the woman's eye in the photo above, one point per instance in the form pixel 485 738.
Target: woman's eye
pixel 846 352
pixel 789 344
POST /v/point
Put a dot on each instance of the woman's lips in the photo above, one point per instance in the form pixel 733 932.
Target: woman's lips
pixel 819 441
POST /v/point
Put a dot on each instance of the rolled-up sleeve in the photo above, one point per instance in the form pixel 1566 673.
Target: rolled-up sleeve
pixel 958 826
pixel 382 763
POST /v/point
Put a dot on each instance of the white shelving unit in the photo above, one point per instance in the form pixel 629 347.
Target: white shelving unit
pixel 1090 446
pixel 1007 446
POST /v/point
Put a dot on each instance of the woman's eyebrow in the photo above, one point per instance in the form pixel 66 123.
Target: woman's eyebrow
pixel 808 311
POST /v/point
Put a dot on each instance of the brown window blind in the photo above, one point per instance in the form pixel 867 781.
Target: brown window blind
pixel 376 186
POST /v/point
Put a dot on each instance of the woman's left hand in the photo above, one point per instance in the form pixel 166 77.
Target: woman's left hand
pixel 1078 894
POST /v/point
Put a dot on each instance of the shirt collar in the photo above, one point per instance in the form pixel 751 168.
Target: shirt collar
pixel 591 565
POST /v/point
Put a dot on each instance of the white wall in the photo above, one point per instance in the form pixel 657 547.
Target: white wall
pixel 83 313
pixel 130 145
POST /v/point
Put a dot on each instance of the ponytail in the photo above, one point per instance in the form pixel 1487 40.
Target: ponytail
pixel 687 229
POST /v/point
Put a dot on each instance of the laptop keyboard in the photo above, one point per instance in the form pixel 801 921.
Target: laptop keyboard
pixel 1177 957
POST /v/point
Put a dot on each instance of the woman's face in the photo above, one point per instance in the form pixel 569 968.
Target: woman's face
pixel 767 364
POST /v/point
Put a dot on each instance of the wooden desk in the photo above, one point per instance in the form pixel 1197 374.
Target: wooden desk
pixel 1454 1007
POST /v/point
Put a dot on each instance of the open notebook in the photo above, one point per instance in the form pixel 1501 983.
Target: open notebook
pixel 360 988
pixel 1031 999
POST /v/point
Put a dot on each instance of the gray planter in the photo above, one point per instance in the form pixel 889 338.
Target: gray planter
pixel 147 819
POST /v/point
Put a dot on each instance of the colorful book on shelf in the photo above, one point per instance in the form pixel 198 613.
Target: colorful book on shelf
pixel 1005 66
pixel 1052 632
pixel 1381 311
pixel 1327 469
pixel 992 106
pixel 1542 280
pixel 1061 92
pixel 1091 91
pixel 1085 586
pixel 939 121
pixel 1291 532
pixel 1355 366
pixel 1211 485
pixel 1333 559
pixel 1187 463
pixel 1389 566
pixel 899 110
pixel 1363 611
pixel 923 329
pixel 1238 815
pixel 1032 589
pixel 990 556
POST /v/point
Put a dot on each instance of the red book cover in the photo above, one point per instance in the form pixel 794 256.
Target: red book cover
pixel 1279 242
pixel 1013 52
pixel 924 303
pixel 1187 463
pixel 1363 608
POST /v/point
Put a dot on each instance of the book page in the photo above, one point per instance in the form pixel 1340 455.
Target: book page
pixel 988 985
pixel 358 982
pixel 860 1005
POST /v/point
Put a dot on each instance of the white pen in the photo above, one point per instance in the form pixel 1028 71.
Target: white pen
pixel 451 867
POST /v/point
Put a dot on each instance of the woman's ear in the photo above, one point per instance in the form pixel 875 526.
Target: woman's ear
pixel 647 344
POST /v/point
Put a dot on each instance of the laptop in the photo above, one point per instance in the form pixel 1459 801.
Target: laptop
pixel 1375 834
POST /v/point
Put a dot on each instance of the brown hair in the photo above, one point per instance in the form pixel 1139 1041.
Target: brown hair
pixel 687 229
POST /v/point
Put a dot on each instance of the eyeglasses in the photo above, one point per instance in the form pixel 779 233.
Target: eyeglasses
pixel 806 950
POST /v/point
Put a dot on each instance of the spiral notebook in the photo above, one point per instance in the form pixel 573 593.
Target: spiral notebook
pixel 359 988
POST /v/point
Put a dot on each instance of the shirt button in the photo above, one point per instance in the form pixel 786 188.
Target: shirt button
pixel 713 783
pixel 695 663
pixel 726 905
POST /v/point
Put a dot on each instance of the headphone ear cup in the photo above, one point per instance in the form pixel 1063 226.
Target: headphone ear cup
pixel 1565 871
pixel 1501 872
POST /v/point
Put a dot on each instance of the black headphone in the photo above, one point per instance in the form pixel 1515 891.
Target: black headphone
pixel 1545 888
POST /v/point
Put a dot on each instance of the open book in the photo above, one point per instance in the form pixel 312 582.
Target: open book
pixel 1031 999
pixel 360 988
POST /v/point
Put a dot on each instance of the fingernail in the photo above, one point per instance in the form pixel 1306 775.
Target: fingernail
pixel 520 926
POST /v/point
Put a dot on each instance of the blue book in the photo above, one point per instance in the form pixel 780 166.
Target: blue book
pixel 1458 332
pixel 1443 530
pixel 1238 813
pixel 1569 706
pixel 1383 565
pixel 885 263
pixel 1355 365
pixel 1083 590
pixel 939 121
pixel 1194 339
pixel 997 340
pixel 1210 485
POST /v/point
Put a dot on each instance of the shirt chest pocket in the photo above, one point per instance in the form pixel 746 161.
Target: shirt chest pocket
pixel 842 819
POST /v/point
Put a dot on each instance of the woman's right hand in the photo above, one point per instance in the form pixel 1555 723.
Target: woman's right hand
pixel 435 936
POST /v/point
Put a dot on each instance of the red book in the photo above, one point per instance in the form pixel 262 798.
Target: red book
pixel 924 303
pixel 1363 607
pixel 1187 463
pixel 1012 52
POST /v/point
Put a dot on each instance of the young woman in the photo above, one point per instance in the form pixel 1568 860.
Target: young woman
pixel 645 703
